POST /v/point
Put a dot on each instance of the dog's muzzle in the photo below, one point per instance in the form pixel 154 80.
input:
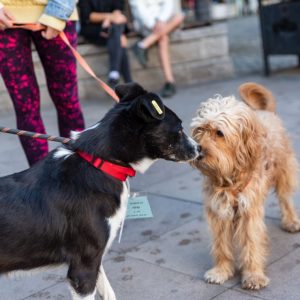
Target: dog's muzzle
pixel 200 153
pixel 197 149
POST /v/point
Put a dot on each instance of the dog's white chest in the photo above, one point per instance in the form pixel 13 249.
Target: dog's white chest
pixel 116 220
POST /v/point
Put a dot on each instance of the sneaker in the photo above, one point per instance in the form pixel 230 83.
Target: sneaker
pixel 140 54
pixel 112 82
pixel 168 90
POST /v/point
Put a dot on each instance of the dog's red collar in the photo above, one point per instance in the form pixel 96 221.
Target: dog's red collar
pixel 119 172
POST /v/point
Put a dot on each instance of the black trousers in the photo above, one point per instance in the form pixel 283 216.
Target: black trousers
pixel 118 58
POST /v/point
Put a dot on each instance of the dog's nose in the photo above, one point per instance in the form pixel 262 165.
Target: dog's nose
pixel 199 148
pixel 200 153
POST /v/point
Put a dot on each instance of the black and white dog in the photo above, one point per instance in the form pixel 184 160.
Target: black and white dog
pixel 67 208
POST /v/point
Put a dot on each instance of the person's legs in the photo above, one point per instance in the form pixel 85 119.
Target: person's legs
pixel 170 26
pixel 164 54
pixel 169 88
pixel 115 52
pixel 16 68
pixel 60 69
pixel 125 66
pixel 140 51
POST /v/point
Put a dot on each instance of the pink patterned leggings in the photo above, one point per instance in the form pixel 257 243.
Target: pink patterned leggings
pixel 16 68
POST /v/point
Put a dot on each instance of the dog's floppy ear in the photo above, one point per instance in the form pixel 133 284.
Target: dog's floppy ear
pixel 129 91
pixel 150 108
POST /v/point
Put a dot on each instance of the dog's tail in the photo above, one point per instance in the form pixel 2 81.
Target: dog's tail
pixel 257 96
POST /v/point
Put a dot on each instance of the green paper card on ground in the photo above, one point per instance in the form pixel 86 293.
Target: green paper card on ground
pixel 138 208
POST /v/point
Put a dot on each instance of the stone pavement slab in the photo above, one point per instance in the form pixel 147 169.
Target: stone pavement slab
pixel 236 295
pixel 168 214
pixel 185 186
pixel 137 279
pixel 20 286
pixel 284 282
pixel 58 291
pixel 159 172
pixel 186 249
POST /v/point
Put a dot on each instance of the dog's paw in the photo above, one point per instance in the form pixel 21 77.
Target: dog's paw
pixel 291 226
pixel 254 281
pixel 216 276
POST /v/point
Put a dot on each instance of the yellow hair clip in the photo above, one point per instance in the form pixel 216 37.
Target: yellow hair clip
pixel 157 108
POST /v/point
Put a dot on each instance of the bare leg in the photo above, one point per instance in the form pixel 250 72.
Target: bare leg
pixel 103 286
pixel 222 251
pixel 164 54
pixel 169 27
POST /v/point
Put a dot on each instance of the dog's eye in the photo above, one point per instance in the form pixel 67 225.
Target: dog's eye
pixel 220 133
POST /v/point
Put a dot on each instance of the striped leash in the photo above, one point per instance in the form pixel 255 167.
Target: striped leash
pixel 35 135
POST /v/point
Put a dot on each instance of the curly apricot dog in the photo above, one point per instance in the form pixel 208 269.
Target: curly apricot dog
pixel 245 152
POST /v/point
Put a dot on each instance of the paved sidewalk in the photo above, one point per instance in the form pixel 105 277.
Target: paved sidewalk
pixel 166 257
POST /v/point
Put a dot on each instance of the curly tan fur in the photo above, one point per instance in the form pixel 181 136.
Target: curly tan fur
pixel 245 153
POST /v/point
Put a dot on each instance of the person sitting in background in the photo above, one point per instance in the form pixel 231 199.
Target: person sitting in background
pixel 155 20
pixel 103 23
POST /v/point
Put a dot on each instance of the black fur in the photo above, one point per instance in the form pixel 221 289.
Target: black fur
pixel 56 211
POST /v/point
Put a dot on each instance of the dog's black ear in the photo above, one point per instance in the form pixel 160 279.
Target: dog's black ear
pixel 129 91
pixel 150 108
